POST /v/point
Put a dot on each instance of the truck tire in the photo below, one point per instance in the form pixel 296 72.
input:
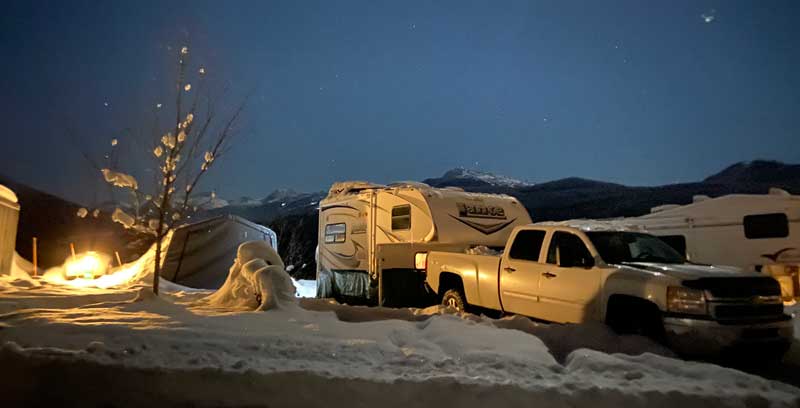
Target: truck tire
pixel 636 317
pixel 454 298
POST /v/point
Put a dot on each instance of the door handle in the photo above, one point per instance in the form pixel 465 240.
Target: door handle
pixel 509 269
pixel 549 275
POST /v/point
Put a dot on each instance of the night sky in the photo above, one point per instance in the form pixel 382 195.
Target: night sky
pixel 637 92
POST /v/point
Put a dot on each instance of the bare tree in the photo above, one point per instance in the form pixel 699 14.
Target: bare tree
pixel 183 155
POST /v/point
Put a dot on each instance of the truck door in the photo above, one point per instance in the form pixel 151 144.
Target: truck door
pixel 520 270
pixel 569 285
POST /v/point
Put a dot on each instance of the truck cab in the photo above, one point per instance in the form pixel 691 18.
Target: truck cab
pixel 580 271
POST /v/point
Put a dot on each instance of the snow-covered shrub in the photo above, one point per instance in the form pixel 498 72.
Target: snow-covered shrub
pixel 256 281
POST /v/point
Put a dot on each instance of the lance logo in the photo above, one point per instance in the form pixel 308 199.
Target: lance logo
pixel 480 211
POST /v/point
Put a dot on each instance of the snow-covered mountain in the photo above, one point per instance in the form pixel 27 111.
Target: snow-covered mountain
pixel 282 195
pixel 207 201
pixel 463 177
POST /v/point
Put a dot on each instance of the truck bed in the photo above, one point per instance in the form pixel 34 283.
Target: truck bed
pixel 479 275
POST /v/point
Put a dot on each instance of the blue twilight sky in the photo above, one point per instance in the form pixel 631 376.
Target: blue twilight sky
pixel 636 92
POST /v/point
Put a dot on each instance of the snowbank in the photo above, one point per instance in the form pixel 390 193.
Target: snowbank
pixel 7 194
pixel 257 280
pixel 305 288
pixel 181 348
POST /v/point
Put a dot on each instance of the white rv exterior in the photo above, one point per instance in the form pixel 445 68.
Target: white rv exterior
pixel 755 232
pixel 369 234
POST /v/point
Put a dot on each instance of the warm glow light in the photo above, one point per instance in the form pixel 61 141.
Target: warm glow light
pixel 88 265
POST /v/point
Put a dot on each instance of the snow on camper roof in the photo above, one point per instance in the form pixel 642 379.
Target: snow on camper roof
pixel 351 187
pixel 7 194
pixel 618 224
pixel 355 187
pixel 733 202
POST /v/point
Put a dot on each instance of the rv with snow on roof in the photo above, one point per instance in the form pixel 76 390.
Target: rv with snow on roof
pixel 370 235
pixel 754 232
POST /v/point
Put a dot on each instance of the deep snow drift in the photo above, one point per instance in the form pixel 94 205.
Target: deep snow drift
pixel 122 345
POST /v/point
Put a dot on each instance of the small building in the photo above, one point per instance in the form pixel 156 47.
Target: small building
pixel 9 218
pixel 200 254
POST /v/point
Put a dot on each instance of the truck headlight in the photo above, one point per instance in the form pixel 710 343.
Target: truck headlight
pixel 686 300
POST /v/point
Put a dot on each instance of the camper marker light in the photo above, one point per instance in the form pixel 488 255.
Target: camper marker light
pixel 87 266
pixel 421 260
pixel 686 300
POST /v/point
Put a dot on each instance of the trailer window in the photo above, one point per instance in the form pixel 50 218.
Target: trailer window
pixel 677 242
pixel 335 233
pixel 766 226
pixel 401 217
pixel 527 245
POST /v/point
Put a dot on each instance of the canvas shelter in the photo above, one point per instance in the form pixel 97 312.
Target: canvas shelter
pixel 201 253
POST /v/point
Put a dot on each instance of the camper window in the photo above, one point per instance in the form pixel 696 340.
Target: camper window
pixel 335 233
pixel 527 245
pixel 766 226
pixel 401 217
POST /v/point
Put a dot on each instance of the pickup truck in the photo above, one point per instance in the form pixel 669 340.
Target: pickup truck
pixel 574 272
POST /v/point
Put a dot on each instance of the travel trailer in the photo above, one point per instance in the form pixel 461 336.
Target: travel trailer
pixel 755 232
pixel 370 236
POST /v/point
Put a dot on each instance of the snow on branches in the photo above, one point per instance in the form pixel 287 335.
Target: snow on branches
pixel 180 157
pixel 121 180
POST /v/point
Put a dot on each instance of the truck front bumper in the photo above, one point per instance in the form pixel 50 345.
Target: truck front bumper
pixel 709 337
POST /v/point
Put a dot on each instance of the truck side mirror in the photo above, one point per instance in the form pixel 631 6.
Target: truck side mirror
pixel 588 263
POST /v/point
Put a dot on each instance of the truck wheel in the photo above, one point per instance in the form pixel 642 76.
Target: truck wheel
pixel 636 318
pixel 455 299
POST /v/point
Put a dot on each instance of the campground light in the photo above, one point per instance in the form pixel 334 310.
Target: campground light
pixel 421 260
pixel 88 265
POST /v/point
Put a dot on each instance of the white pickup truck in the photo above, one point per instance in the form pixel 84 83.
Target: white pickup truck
pixel 573 272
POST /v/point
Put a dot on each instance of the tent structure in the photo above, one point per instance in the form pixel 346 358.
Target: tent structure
pixel 200 254
pixel 9 218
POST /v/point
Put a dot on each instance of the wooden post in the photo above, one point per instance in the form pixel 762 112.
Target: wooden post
pixel 380 281
pixel 35 259
pixel 72 249
pixel 119 262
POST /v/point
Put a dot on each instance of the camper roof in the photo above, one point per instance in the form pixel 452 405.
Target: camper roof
pixel 354 187
pixel 733 204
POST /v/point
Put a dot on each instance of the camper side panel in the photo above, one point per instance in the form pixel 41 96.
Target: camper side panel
pixel 344 248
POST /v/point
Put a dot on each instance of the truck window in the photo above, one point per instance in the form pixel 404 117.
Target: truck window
pixel 677 242
pixel 568 250
pixel 527 245
pixel 335 233
pixel 401 217
pixel 766 226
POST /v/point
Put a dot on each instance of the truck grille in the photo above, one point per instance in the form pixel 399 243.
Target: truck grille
pixel 746 311
pixel 736 288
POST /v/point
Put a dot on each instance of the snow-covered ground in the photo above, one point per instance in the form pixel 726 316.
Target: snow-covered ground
pixel 306 288
pixel 121 345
